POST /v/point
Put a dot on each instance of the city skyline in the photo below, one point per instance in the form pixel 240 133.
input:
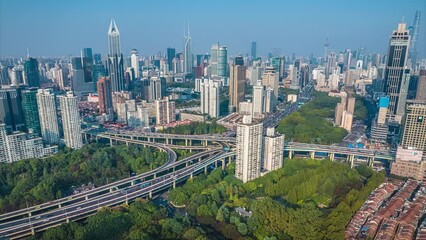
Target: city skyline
pixel 152 32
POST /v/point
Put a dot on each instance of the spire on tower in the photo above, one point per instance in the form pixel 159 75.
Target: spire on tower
pixel 113 28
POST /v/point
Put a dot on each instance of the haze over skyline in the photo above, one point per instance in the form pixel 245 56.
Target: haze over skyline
pixel 50 29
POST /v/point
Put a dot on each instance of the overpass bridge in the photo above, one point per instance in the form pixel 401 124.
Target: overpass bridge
pixel 146 188
pixel 38 218
pixel 332 152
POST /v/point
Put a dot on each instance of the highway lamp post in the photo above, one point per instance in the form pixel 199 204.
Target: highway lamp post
pixel 29 219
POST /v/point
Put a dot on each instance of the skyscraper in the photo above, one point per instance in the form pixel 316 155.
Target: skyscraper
pixel 253 50
pixel 414 133
pixel 414 35
pixel 210 98
pixel 71 120
pixel 31 73
pixel 134 59
pixel 248 163
pixel 82 79
pixel 188 61
pixel 30 111
pixel 48 118
pixel 237 83
pixel 273 150
pixel 397 59
pixel 219 60
pixel 104 95
pixel 258 99
pixel 421 86
pixel 171 53
pixel 115 59
pixel 270 78
pixel 11 110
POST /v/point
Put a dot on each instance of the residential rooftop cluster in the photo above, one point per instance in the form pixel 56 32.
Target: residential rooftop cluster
pixel 392 211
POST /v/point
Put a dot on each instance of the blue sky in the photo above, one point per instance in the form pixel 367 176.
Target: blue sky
pixel 63 27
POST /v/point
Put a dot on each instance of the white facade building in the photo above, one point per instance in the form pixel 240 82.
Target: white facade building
pixel 48 116
pixel 71 120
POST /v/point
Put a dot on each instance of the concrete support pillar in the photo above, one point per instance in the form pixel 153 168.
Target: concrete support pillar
pixel 312 154
pixel 131 137
pixel 370 161
pixel 85 137
pixel 229 160
pixel 199 159
pixel 127 143
pixel 174 184
pixel 155 175
pixel 32 231
pixel 29 214
pixel 186 164
pixel 68 220
pixel 110 142
pixel 59 205
pixel 87 197
pixel 191 176
pixel 167 140
pixel 96 138
pixel 150 194
pixel 223 164
pixel 290 154
pixel 132 183
pixel 351 159
pixel 186 142
pixel 215 164
pixel 149 139
pixel 190 150
pixel 206 143
pixel 190 142
pixel 331 156
pixel 110 190
pixel 205 169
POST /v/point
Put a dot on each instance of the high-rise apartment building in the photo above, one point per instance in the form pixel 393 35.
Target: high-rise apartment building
pixel 258 100
pixel 30 111
pixel 104 95
pixel 210 98
pixel 48 116
pixel 18 145
pixel 115 59
pixel 270 78
pixel 71 120
pixel 165 111
pixel 237 83
pixel 395 66
pixel 273 150
pixel 249 149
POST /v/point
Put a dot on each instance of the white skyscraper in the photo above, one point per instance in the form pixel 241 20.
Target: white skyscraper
pixel 48 116
pixel 273 150
pixel 134 60
pixel 71 120
pixel 258 99
pixel 249 149
pixel 187 53
pixel 210 98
